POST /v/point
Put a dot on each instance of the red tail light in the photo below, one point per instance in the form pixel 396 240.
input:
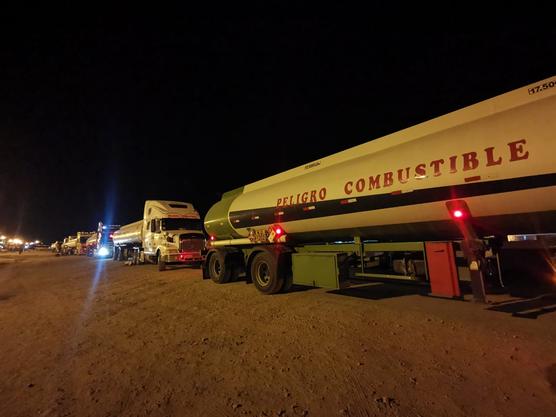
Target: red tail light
pixel 458 209
pixel 278 234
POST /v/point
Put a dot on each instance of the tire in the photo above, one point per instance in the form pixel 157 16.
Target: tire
pixel 264 273
pixel 218 270
pixel 160 262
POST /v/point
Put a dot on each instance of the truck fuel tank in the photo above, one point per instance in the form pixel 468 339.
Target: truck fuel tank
pixel 497 155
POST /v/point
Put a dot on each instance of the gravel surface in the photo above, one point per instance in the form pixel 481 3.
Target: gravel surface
pixel 84 337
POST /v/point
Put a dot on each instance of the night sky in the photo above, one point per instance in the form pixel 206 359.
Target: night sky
pixel 98 116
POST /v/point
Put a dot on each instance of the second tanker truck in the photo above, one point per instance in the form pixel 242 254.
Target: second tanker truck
pixel 401 203
pixel 169 232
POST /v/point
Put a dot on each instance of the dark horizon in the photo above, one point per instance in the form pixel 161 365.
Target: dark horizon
pixel 95 118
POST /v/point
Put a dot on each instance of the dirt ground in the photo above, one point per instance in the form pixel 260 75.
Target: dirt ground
pixel 84 337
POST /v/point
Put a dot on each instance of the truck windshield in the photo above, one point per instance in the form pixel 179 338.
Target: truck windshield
pixel 83 239
pixel 177 224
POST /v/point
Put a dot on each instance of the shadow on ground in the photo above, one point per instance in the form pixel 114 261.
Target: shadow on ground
pixel 381 290
pixel 528 308
pixel 6 296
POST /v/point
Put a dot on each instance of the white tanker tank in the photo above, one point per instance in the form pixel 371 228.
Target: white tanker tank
pixel 130 234
pixel 494 160
pixel 498 155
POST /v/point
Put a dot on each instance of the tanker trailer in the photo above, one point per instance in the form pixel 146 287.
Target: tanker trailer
pixel 486 170
pixel 126 238
pixel 69 245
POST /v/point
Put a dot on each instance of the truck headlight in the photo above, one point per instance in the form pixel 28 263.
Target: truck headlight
pixel 103 251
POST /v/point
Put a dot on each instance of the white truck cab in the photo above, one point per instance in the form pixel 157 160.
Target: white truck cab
pixel 170 232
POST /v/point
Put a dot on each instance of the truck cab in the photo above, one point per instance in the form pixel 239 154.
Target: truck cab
pixel 172 232
pixel 91 244
pixel 169 232
pixel 105 243
pixel 81 242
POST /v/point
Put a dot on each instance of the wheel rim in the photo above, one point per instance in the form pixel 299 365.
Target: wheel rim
pixel 216 268
pixel 262 274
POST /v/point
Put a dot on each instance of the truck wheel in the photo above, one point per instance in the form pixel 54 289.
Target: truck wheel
pixel 218 271
pixel 160 261
pixel 264 273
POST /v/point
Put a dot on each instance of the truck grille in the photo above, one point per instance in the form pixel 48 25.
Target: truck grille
pixel 191 243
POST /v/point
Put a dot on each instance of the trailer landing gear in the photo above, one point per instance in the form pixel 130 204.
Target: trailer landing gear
pixel 473 247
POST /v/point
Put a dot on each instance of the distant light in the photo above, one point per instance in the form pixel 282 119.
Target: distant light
pixel 37 242
pixel 2 237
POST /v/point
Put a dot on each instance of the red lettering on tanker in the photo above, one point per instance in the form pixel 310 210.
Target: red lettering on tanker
pixel 309 196
pixel 450 164
pixel 467 161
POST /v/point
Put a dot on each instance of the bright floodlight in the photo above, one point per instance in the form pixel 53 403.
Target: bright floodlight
pixel 103 251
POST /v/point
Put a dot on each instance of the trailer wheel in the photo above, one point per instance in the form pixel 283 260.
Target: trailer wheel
pixel 264 273
pixel 219 272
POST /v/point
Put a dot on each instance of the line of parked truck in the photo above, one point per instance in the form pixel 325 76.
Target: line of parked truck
pixel 170 232
pixel 95 243
pixel 434 203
